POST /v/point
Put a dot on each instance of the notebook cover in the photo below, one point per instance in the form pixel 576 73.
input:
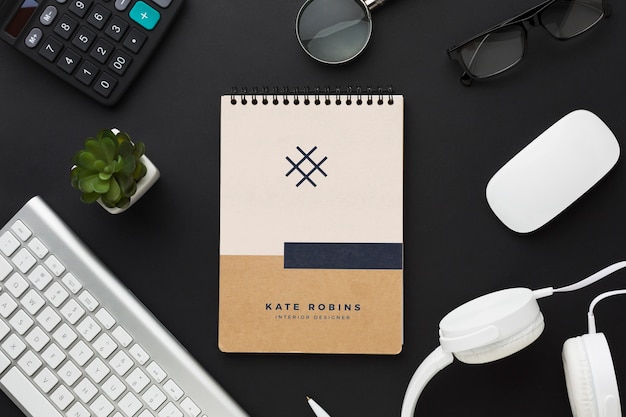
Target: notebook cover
pixel 311 227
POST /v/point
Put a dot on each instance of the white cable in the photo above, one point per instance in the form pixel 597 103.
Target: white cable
pixel 590 317
pixel 545 292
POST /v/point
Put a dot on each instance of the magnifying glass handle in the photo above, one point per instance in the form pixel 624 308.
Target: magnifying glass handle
pixel 372 4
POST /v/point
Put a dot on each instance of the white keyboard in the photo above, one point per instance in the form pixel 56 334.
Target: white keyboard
pixel 74 342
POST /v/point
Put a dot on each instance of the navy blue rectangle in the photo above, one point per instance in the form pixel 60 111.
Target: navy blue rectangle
pixel 343 255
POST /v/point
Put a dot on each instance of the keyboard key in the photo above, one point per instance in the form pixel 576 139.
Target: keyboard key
pixel 69 373
pixel 53 356
pixel 48 318
pixel 13 346
pixel 104 345
pixel 55 266
pixel 27 395
pixel 62 397
pixel 88 328
pixel 7 305
pixel 46 380
pixel 40 277
pixel 37 339
pixel 154 397
pixel 33 38
pixel 157 373
pixel 97 370
pixel 72 311
pixel 56 294
pixel 16 285
pixel 170 410
pixel 65 336
pixel 88 300
pixel 78 410
pixel 102 407
pixel 30 363
pixel 72 283
pixel 139 354
pixel 48 15
pixel 173 390
pixel 5 269
pixel 130 404
pixel 81 353
pixel 32 301
pixel 4 362
pixel 190 407
pixel 20 229
pixel 85 390
pixel 120 62
pixel 122 5
pixel 101 50
pixel 137 380
pixel 8 243
pixel 113 387
pixel 105 318
pixel 83 39
pixel 122 336
pixel 38 248
pixel 121 363
pixel 23 260
pixel 4 330
pixel 21 322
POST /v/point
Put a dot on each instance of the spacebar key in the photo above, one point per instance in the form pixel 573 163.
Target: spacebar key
pixel 27 396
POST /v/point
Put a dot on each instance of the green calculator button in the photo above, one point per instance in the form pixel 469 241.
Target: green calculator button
pixel 145 15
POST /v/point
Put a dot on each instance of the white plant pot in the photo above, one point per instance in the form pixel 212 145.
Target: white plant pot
pixel 144 184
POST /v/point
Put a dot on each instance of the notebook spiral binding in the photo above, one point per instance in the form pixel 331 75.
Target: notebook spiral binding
pixel 316 96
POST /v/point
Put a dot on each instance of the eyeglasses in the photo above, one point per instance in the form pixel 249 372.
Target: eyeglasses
pixel 504 45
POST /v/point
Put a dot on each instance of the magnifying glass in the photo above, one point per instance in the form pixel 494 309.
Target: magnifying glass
pixel 335 31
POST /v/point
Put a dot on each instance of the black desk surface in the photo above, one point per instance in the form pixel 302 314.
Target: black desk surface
pixel 165 249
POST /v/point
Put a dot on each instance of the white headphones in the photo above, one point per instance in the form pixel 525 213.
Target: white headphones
pixel 501 323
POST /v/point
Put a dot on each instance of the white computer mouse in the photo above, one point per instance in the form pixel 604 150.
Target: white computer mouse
pixel 552 171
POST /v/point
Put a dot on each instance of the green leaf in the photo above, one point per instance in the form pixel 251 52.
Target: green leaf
pixel 93 183
pixel 109 148
pixel 140 149
pixel 130 164
pixel 124 202
pixel 105 176
pixel 89 197
pixel 86 160
pixel 114 193
pixel 125 148
pixel 126 183
pixel 140 171
pixel 92 145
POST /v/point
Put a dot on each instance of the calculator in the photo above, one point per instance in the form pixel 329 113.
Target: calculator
pixel 98 46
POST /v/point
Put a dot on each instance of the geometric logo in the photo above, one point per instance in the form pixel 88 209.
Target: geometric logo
pixel 309 167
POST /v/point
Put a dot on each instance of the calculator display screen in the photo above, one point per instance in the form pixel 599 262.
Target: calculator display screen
pixel 20 19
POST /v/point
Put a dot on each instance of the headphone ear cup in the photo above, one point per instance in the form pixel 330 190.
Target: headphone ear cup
pixel 505 347
pixel 590 377
pixel 578 378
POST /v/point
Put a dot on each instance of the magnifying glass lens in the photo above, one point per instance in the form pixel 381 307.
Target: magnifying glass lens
pixel 334 31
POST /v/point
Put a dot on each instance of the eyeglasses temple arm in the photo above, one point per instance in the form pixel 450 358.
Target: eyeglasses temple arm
pixel 372 4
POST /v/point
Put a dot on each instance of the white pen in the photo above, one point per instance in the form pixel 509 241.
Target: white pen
pixel 319 411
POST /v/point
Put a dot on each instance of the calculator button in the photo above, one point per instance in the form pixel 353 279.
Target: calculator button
pixel 135 40
pixel 98 16
pixel 48 15
pixel 86 73
pixel 33 38
pixel 61 1
pixel 51 49
pixel 69 61
pixel 83 39
pixel 80 7
pixel 101 50
pixel 145 15
pixel 122 5
pixel 120 62
pixel 116 28
pixel 65 27
pixel 163 3
pixel 105 84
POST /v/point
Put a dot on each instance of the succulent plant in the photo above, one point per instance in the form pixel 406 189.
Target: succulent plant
pixel 108 168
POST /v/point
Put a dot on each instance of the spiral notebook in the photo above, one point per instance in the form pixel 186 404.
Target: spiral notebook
pixel 311 223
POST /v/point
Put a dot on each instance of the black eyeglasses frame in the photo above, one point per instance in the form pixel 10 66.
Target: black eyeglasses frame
pixel 526 20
